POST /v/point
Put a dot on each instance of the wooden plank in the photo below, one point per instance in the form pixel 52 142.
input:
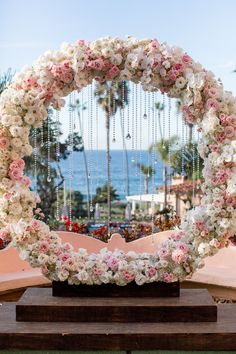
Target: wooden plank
pixel 155 289
pixel 192 306
pixel 220 335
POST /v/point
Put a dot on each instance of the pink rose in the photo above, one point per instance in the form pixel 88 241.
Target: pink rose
pixel 81 42
pixel 178 256
pixel 5 234
pixel 177 235
pixel 97 64
pixel 163 253
pixel 183 247
pixel 186 59
pixel 229 132
pixel 168 277
pixel 15 173
pixel 4 143
pixel 231 120
pixel 26 181
pixel 44 246
pixel 65 257
pixel 212 103
pixel 213 92
pixel 114 70
pixel 154 44
pixel 44 269
pixel 229 201
pixel 152 272
pixel 97 270
pixel 128 275
pixel 7 196
pixel 35 224
pixel 17 164
pixel 113 263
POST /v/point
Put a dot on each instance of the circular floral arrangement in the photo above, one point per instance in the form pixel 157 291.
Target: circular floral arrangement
pixel 53 76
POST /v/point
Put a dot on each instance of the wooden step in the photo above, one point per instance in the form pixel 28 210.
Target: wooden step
pixel 193 305
pixel 215 336
pixel 155 289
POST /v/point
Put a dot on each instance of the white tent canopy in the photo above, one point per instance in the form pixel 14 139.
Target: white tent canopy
pixel 157 198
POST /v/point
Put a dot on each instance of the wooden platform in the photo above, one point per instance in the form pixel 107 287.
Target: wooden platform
pixel 220 335
pixel 38 305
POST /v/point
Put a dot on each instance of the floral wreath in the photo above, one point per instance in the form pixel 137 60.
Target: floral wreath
pixel 54 75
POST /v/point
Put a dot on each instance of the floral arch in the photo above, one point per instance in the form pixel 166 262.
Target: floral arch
pixel 53 76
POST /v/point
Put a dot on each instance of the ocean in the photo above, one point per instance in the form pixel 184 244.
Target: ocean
pixel 96 161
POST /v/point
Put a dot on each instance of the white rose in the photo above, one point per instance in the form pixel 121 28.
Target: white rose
pixel 204 248
pixel 29 118
pixel 180 82
pixel 16 142
pixel 209 122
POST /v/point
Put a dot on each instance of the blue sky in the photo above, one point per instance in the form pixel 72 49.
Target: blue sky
pixel 206 29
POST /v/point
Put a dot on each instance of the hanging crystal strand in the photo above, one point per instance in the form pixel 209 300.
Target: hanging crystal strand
pixel 41 134
pixel 123 134
pixel 108 170
pixel 169 147
pixel 132 122
pixel 88 154
pixel 156 123
pixel 64 194
pixel 58 161
pixel 91 145
pixel 145 105
pixel 97 174
pixel 177 122
pixel 48 151
pixel 198 157
pixel 35 157
pixel 114 118
pixel 70 160
pixel 136 128
pixel 164 120
pixel 182 147
pixel 148 121
pixel 140 142
pixel 153 165
pixel 193 157
pixel 82 113
pixel 128 136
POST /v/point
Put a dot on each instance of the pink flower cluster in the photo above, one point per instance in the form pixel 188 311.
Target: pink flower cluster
pixel 101 64
pixel 5 234
pixel 229 124
pixel 62 72
pixel 188 115
pixel 4 141
pixel 201 226
pixel 221 176
pixel 16 170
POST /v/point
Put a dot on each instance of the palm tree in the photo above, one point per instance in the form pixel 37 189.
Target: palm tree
pixel 5 80
pixel 81 107
pixel 111 96
pixel 147 171
pixel 163 147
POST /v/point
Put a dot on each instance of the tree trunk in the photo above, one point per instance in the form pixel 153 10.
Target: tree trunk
pixel 86 168
pixel 190 136
pixel 108 173
pixel 126 156
pixel 146 184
